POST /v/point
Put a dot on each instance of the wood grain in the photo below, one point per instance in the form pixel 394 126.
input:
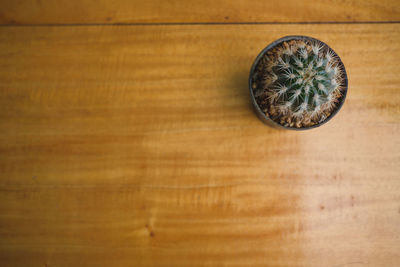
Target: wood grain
pixel 195 11
pixel 137 146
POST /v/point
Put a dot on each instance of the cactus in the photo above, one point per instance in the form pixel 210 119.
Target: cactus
pixel 301 82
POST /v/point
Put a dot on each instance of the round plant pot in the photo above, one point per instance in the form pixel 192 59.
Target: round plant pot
pixel 256 83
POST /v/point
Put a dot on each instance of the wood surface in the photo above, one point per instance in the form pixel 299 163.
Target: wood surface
pixel 195 11
pixel 137 146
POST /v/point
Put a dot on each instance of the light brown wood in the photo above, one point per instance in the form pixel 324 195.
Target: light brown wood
pixel 137 146
pixel 194 11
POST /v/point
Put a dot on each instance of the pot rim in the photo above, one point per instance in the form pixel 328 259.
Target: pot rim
pixel 262 115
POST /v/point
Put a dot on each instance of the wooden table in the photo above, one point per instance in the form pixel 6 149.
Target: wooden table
pixel 127 137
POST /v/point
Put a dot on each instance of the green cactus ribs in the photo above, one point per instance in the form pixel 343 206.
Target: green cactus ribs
pixel 299 83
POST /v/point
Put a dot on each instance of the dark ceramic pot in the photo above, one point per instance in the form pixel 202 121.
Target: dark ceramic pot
pixel 253 77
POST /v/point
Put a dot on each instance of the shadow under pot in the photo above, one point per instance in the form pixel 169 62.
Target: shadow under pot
pixel 297 83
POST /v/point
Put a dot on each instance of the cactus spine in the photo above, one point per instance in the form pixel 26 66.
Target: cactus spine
pixel 301 83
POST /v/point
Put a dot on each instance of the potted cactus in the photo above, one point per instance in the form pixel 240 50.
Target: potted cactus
pixel 297 82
